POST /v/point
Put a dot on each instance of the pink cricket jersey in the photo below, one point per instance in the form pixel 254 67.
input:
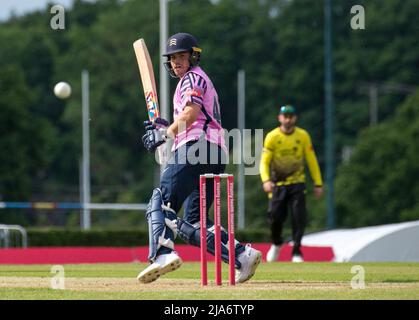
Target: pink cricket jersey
pixel 196 87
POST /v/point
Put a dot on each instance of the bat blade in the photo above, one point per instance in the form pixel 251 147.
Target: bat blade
pixel 147 78
pixel 149 86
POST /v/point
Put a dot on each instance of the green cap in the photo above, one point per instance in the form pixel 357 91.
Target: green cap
pixel 287 109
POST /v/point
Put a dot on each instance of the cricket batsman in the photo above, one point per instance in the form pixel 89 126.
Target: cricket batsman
pixel 197 134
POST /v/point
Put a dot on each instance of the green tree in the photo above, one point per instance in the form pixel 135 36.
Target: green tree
pixel 23 139
pixel 379 185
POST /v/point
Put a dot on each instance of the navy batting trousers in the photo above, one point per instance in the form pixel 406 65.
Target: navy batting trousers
pixel 180 179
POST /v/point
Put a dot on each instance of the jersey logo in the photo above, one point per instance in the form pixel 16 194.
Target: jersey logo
pixel 193 92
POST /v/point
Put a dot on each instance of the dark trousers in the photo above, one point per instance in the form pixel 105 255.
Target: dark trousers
pixel 180 179
pixel 284 198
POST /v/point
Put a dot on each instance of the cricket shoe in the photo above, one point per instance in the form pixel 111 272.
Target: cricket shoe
pixel 163 264
pixel 273 253
pixel 249 259
pixel 297 258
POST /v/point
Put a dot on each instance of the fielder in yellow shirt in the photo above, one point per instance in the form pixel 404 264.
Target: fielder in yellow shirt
pixel 286 150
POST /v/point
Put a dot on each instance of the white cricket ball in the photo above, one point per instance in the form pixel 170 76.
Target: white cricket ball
pixel 62 90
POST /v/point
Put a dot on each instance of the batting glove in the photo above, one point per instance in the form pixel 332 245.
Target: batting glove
pixel 155 134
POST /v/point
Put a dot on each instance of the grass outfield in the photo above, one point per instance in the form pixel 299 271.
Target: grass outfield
pixel 272 281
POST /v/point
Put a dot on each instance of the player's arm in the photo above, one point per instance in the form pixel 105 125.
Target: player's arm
pixel 265 163
pixel 188 116
pixel 193 88
pixel 313 166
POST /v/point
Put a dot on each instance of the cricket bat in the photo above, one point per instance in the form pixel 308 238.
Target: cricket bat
pixel 149 86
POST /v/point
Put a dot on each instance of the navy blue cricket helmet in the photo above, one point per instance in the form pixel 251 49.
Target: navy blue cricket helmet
pixel 181 42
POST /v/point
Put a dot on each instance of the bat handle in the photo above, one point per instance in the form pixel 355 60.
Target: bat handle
pixel 160 122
